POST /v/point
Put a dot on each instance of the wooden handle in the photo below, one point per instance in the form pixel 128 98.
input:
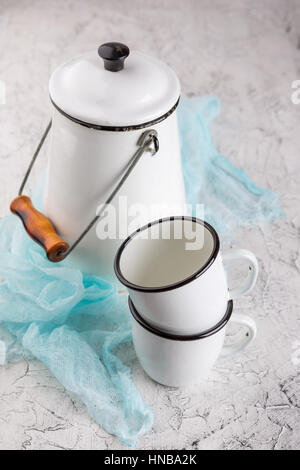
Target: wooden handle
pixel 39 228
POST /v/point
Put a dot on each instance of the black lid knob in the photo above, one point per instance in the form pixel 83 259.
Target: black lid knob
pixel 113 54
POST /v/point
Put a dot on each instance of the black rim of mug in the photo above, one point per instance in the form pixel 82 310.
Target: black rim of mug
pixel 175 285
pixel 205 334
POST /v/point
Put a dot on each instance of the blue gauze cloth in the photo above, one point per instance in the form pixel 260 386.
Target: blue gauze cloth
pixel 231 200
pixel 73 322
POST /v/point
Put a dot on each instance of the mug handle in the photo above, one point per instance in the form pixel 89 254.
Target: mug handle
pixel 232 254
pixel 244 320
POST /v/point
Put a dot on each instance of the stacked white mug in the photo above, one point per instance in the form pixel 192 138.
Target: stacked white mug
pixel 179 299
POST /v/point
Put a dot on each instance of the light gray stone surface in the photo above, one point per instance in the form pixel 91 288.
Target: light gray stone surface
pixel 247 53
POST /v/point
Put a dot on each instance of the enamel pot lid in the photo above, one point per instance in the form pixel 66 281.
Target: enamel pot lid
pixel 115 89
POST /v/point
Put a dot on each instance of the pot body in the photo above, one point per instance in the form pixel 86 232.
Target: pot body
pixel 84 166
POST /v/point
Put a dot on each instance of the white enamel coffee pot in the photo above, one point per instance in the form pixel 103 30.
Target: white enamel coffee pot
pixel 104 102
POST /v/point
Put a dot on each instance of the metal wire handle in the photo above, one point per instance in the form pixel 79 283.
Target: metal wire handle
pixel 35 155
pixel 148 142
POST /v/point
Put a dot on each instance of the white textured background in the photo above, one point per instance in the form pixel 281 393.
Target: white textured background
pixel 247 53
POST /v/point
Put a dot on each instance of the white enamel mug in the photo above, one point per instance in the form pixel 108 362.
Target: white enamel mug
pixel 174 272
pixel 181 360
